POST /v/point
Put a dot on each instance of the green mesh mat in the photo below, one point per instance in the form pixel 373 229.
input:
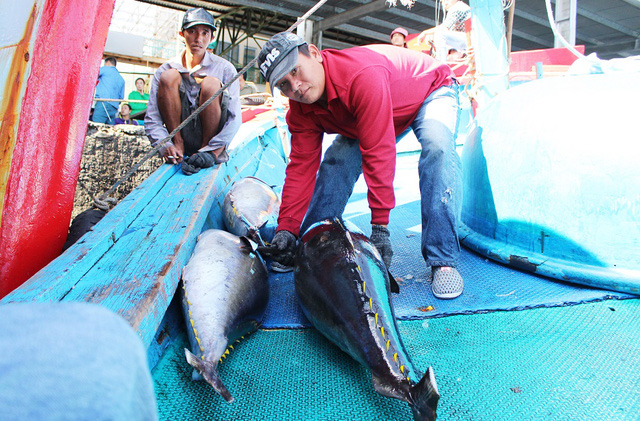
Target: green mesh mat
pixel 565 363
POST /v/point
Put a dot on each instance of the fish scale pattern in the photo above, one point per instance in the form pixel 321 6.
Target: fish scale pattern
pixel 562 363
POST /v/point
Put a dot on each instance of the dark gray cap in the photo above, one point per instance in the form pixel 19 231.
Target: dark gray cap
pixel 198 16
pixel 278 56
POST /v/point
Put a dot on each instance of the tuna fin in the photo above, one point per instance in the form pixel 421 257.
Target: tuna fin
pixel 384 389
pixel 246 244
pixel 425 397
pixel 393 284
pixel 210 374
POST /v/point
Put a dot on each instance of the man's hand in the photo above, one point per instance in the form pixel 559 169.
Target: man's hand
pixel 198 160
pixel 171 153
pixel 425 36
pixel 283 248
pixel 380 239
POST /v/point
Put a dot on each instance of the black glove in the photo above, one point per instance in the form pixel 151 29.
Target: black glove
pixel 380 239
pixel 283 248
pixel 198 160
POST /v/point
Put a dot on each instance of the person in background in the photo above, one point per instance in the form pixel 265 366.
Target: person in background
pixel 124 116
pixel 399 36
pixel 184 83
pixel 138 94
pixel 110 86
pixel 370 96
pixel 450 34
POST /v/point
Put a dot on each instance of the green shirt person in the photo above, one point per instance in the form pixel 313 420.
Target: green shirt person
pixel 138 94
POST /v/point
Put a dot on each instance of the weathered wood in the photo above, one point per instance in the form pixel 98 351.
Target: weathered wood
pixel 132 260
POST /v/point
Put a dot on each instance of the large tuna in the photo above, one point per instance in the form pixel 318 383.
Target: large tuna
pixel 225 296
pixel 343 288
pixel 251 209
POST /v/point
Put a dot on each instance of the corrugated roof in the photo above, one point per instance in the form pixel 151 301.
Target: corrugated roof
pixel 611 28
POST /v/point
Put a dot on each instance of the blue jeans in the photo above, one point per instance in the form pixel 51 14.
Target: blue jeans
pixel 439 169
pixel 104 112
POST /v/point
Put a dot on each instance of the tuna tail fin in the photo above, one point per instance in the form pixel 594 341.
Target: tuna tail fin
pixel 210 374
pixel 425 397
pixel 393 284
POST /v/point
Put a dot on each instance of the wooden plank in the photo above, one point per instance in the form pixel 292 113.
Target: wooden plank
pixel 139 276
pixel 131 262
pixel 55 280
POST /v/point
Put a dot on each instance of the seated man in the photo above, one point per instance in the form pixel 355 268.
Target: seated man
pixel 450 34
pixel 369 96
pixel 184 83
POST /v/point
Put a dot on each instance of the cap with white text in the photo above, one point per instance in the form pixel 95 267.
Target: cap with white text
pixel 279 56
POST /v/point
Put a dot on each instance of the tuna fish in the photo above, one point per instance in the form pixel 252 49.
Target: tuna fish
pixel 225 297
pixel 344 290
pixel 251 209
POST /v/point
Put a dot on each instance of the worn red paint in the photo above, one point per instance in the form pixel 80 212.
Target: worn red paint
pixel 68 47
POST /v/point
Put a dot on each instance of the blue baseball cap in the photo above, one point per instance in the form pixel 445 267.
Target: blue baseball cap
pixel 278 56
pixel 198 16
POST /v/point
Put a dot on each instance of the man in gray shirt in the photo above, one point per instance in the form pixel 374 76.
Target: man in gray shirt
pixel 184 83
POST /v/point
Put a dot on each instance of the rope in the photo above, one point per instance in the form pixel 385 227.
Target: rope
pixel 100 204
pixel 159 145
pixel 559 36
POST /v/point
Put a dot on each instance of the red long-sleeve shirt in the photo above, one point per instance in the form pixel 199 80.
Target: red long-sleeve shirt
pixel 373 94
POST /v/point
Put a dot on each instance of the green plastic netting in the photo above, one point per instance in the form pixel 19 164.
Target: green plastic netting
pixel 567 363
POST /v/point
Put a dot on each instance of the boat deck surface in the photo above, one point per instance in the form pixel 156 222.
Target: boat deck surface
pixel 513 346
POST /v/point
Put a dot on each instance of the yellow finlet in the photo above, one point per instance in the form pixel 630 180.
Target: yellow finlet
pixel 363 285
pixel 370 304
pixel 376 317
pixel 388 341
pixel 382 330
pixel 402 369
pixel 395 357
pixel 226 352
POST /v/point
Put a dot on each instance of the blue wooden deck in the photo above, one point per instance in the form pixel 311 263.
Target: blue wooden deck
pixel 132 260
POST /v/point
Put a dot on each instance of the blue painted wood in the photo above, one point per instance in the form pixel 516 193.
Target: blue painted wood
pixel 54 281
pixel 132 260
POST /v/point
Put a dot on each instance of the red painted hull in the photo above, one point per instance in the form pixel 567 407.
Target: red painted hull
pixel 67 49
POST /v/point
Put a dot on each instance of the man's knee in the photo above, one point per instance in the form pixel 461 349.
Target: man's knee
pixel 170 79
pixel 209 86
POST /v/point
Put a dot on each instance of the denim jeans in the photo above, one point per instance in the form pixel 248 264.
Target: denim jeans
pixel 439 169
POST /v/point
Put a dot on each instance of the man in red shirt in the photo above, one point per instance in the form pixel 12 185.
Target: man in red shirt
pixel 369 96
